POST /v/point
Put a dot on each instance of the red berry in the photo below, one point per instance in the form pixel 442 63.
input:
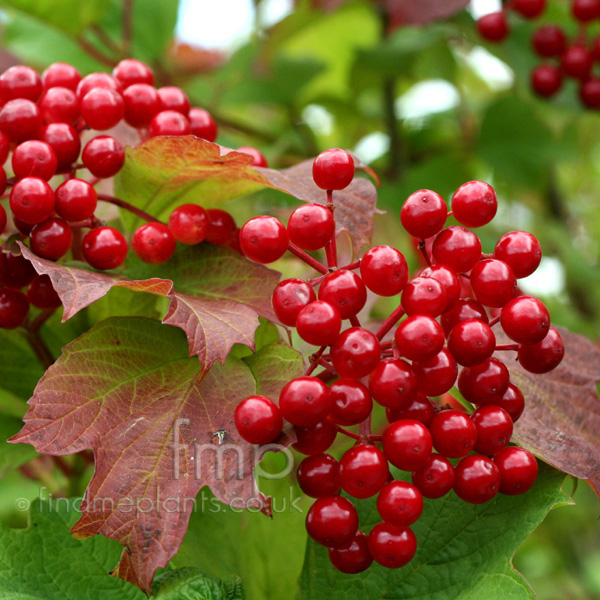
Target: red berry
pixel 474 204
pixel 585 10
pixel 493 282
pixel 393 383
pixel 169 122
pixel 392 546
pixel 332 521
pixel 449 280
pixel 420 409
pixel 525 320
pixel 60 105
pixel 141 104
pixel 304 401
pixel 4 148
pixel 2 216
pixel 75 200
pixel 384 270
pixel 61 75
pixel 546 80
pixel 407 444
pixel 513 402
pixel 457 248
pixel 493 27
pixel 189 223
pixel 484 383
pixel 14 307
pixel 264 239
pixel 436 375
pixel 543 356
pixel 104 248
pixel 363 471
pixel 436 478
pixel 52 238
pixel 576 62
pixel 354 557
pixel 589 93
pixel 319 476
pixel 530 9
pixel 131 71
pixel 258 158
pixel 103 156
pixel 15 271
pixel 333 169
pixel 419 337
pixel 41 293
pixel 98 80
pixel 518 470
pixel 345 291
pixel 453 433
pixel 20 82
pixel 549 41
pixel 521 251
pixel 173 99
pixel 355 353
pixel 222 229
pixel 289 298
pixel 351 402
pixel 65 142
pixel 476 479
pixel 311 226
pixel 494 428
pixel 258 420
pixel 32 200
pixel 20 120
pixel 102 109
pixel 424 296
pixel 34 159
pixel 319 323
pixel 400 503
pixel 316 439
pixel 471 342
pixel 154 243
pixel 423 214
pixel 202 124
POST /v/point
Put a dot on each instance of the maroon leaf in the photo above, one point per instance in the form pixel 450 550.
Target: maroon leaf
pixel 562 415
pixel 160 426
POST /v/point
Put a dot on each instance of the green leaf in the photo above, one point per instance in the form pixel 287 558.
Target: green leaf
pixel 11 456
pixel 21 369
pixel 464 551
pixel 44 562
pixel 189 583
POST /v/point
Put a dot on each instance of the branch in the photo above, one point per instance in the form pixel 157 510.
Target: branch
pixel 95 53
pixel 125 205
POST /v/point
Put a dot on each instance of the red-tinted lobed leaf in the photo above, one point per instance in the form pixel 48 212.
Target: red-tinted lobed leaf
pixel 216 295
pixel 160 426
pixel 562 410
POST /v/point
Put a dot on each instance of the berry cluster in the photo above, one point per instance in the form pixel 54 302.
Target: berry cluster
pixel 450 309
pixel 42 121
pixel 564 57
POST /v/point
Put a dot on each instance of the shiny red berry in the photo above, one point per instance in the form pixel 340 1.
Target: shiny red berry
pixel 345 291
pixel 14 307
pixel 354 557
pixel 493 282
pixel 311 226
pixel 169 122
pixel 476 479
pixel 258 420
pixel 319 323
pixel 420 409
pixel 104 248
pixel 202 124
pixel 543 356
pixel 521 251
pixel 518 470
pixel 52 238
pixel 222 229
pixel 60 105
pixel 474 204
pixel 333 169
pixel 436 375
pixel 493 27
pixel 34 158
pixel 419 337
pixel 264 239
pixel 363 470
pixel 494 429
pixel 154 243
pixel 319 476
pixel 332 521
pixel 65 142
pixel 423 214
pixel 289 298
pixel 392 546
pixel 131 71
pixel 61 74
pixel 457 247
pixel 32 200
pixel 435 478
pixel 453 433
pixel 173 99
pixel 316 439
pixel 407 444
pixel 400 503
pixel 393 383
pixel 546 80
pixel 76 200
pixel 484 383
pixel 351 401
pixel 304 401
pixel 141 104
pixel 41 293
pixel 384 270
pixel 471 342
pixel 103 156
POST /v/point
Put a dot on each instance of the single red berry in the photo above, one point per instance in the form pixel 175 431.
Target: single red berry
pixel 315 440
pixel 400 503
pixel 589 93
pixel 436 375
pixel 474 204
pixel 530 9
pixel 102 108
pixel 393 383
pixel 354 557
pixel 34 158
pixel 471 342
pixel 513 402
pixel 258 158
pixel 585 10
pixel 319 323
pixel 304 401
pixel 319 476
pixel 493 282
pixel 15 271
pixel 345 291
pixel 576 62
pixel 407 444
pixel 98 80
pixel 384 270
pixel 435 478
pixel 104 248
pixel 22 227
pixel 419 337
pixel 4 148
pixel 457 247
pixel 2 216
pixel 525 320
pixel 453 433
pixel 20 82
pixel 363 471
pixel 333 169
pixel 423 214
pixel 420 409
pixel 332 521
pixel 355 353
pixel 546 80
pixel 169 122
pixel 20 120
pixel 103 156
pixel 493 27
pixel 464 309
pixel 311 226
pixel 131 71
pixel 289 298
pixel 484 383
pixel 173 99
pixel 59 105
pixel 424 296
pixel 154 243
pixel 65 142
pixel 222 229
pixel 52 238
pixel 141 104
pixel 449 280
pixel 32 200
pixel 202 124
pixel 264 239
pixel 258 420
pixel 41 293
pixel 521 251
pixel 14 307
pixel 189 223
pixel 476 479
pixel 75 200
pixel 494 428
pixel 518 470
pixel 549 41
pixel 543 356
pixel 351 401
pixel 61 74
pixel 392 546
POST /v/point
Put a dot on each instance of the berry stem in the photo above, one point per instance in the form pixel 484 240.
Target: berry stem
pixel 331 247
pixel 39 347
pixel 365 427
pixel 350 434
pixel 122 204
pixel 450 213
pixel 507 347
pixel 352 266
pixel 94 53
pixel 354 321
pixel 494 321
pixel 396 315
pixel 309 260
pixel 325 364
pixel 317 280
pixel 423 251
pixel 314 360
